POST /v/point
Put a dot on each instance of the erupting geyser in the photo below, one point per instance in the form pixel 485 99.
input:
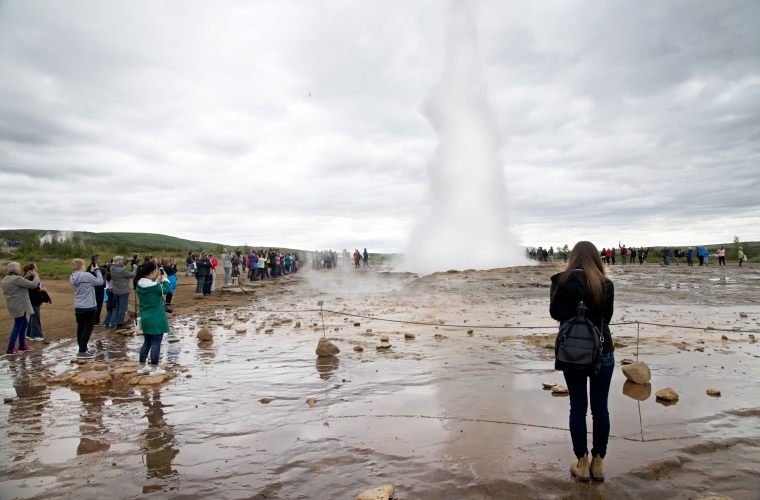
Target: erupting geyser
pixel 468 227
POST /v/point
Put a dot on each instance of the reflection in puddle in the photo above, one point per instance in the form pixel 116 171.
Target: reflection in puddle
pixel 326 366
pixel 158 438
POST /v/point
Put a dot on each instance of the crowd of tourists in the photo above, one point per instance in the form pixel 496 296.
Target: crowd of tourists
pixel 328 259
pixel 630 254
pixel 259 264
pixel 12 243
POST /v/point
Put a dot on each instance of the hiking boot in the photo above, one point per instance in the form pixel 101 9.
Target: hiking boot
pixel 156 371
pixel 580 468
pixel 13 352
pixel 26 348
pixel 597 468
pixel 86 355
pixel 168 308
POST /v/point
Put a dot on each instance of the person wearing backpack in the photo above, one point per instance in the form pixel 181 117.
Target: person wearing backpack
pixel 584 280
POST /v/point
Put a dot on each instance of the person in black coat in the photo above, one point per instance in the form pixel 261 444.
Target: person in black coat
pixel 585 280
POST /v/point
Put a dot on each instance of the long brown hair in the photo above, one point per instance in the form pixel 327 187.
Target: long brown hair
pixel 585 256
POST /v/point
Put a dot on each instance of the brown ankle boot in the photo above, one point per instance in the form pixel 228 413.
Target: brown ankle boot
pixel 580 468
pixel 597 468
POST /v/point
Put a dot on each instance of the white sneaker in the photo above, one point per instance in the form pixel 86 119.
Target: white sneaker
pixel 143 369
pixel 156 371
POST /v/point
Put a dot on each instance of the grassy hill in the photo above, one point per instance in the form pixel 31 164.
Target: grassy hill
pixel 145 241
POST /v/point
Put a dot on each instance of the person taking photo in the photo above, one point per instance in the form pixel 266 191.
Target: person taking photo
pixel 16 292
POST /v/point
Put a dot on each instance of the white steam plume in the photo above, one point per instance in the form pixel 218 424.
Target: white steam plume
pixel 469 226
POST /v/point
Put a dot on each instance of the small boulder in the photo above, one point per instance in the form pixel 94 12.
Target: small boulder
pixel 357 324
pixel 713 392
pixel 240 330
pixel 548 346
pixel 358 348
pixel 204 335
pixel 667 394
pixel 265 401
pixel 63 378
pixel 638 373
pixel 384 338
pixel 548 385
pixel 311 401
pixel 469 332
pixel 438 336
pixel 198 296
pixel 409 336
pixel 298 324
pixel 559 389
pixel 384 345
pixel 380 493
pixel 93 367
pixel 369 330
pixel 326 348
pixel 723 337
pixel 91 378
pixel 269 330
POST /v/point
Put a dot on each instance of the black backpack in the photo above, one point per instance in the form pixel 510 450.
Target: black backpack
pixel 579 343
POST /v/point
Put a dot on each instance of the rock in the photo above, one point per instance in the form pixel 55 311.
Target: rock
pixel 713 497
pixel 548 385
pixel 384 338
pixel 619 345
pixel 667 394
pixel 298 324
pixel 409 336
pixel 63 378
pixel 269 330
pixel 751 336
pixel 559 389
pixel 723 337
pixel 7 400
pixel 198 295
pixel 627 361
pixel 227 326
pixel 548 346
pixel 326 348
pixel 125 372
pixel 276 324
pixel 93 367
pixel 369 330
pixel 148 379
pixel 380 493
pixel 383 345
pixel 638 373
pixel 189 375
pixel 311 401
pixel 639 392
pixel 240 330
pixel 358 348
pixel 265 401
pixel 204 335
pixel 438 336
pixel 79 361
pixel 743 315
pixel 357 324
pixel 469 332
pixel 91 378
pixel 713 392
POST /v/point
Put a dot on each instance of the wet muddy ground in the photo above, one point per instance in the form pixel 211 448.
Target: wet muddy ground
pixel 444 415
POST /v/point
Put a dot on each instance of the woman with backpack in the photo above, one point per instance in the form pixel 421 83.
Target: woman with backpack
pixel 151 284
pixel 584 279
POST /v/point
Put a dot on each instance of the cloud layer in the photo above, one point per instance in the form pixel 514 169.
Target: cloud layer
pixel 300 124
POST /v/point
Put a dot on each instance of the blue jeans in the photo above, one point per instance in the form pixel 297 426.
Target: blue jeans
pixel 19 332
pixel 667 260
pixel 227 275
pixel 34 331
pixel 99 293
pixel 599 391
pixel 706 264
pixel 199 282
pixel 151 343
pixel 119 309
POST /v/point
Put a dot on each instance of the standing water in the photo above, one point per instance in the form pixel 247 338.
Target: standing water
pixel 467 184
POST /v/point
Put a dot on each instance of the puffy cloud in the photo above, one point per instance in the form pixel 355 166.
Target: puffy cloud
pixel 619 121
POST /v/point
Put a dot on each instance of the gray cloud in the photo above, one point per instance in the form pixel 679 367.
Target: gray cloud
pixel 634 121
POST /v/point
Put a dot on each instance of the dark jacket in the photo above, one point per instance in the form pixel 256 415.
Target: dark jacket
pixel 203 267
pixel 35 295
pixel 565 304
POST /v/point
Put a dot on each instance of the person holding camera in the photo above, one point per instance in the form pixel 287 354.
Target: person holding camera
pixel 37 296
pixel 100 290
pixel 120 278
pixel 170 269
pixel 85 305
pixel 16 292
pixel 151 284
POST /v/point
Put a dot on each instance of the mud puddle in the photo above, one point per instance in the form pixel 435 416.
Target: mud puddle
pixel 448 414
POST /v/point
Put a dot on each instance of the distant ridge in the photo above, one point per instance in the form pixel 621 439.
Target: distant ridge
pixel 150 240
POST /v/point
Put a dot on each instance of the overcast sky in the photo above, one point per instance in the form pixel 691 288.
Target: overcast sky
pixel 299 123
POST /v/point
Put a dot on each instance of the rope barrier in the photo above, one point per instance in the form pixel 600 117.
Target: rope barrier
pixel 505 327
